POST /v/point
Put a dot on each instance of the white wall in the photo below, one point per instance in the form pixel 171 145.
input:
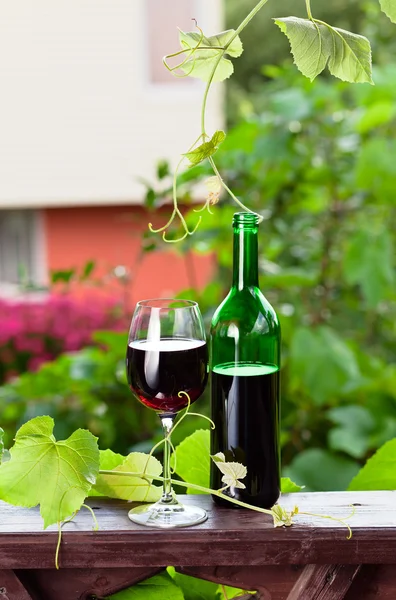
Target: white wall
pixel 79 118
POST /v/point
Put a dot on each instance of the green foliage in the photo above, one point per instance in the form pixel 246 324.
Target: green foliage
pixel 206 149
pixel 322 471
pixel 60 474
pixel 379 473
pixel 85 389
pixel 202 61
pixel 131 488
pixel 389 8
pixel 191 460
pixel 315 44
pixel 159 587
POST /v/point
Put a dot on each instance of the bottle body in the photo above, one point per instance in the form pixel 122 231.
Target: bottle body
pixel 245 361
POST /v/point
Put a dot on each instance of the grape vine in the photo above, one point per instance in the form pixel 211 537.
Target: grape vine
pixel 314 45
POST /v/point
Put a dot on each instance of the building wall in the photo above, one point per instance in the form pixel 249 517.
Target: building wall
pixel 111 236
pixel 86 107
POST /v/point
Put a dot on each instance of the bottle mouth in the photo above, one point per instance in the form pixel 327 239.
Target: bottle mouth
pixel 246 219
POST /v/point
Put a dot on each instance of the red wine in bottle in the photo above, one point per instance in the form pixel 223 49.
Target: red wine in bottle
pixel 158 371
pixel 245 360
pixel 245 409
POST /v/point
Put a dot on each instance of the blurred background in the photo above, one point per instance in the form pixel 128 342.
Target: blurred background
pixel 91 128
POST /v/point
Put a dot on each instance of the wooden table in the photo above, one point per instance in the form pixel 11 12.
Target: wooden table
pixel 313 559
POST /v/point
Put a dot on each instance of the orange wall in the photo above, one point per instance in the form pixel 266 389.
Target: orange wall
pixel 111 236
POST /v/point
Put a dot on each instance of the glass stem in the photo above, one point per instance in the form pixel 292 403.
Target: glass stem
pixel 168 496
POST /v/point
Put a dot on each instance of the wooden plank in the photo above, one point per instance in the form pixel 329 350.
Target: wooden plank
pixel 324 582
pixel 273 583
pixel 75 584
pixel 374 582
pixel 227 538
pixel 11 588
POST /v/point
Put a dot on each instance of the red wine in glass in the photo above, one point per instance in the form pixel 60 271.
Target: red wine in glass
pixel 158 371
pixel 167 368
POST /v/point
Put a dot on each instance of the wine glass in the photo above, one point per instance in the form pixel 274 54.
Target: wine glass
pixel 167 358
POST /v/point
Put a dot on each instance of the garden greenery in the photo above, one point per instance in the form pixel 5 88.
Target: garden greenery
pixel 366 267
pixel 314 45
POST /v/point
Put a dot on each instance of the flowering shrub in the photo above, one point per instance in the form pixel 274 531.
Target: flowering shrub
pixel 32 333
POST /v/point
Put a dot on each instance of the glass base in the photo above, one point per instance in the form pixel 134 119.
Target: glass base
pixel 167 516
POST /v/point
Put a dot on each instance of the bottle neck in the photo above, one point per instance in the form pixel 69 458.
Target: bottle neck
pixel 245 262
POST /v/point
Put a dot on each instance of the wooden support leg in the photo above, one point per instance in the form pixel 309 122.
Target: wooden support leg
pixel 11 588
pixel 324 582
pixel 272 582
pixel 80 584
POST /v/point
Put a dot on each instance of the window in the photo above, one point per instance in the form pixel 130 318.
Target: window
pixel 162 23
pixel 21 259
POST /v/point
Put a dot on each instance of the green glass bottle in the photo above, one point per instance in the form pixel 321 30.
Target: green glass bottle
pixel 245 361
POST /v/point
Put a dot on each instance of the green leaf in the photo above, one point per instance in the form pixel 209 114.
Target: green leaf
pixel 379 113
pixel 87 270
pixel 379 472
pixel 62 276
pixel 322 362
pixel 159 587
pixel 355 424
pixel 231 592
pixel 316 44
pixel 56 475
pixel 201 62
pixel 322 471
pixel 131 488
pixel 375 170
pixel 368 262
pixel 206 149
pixel 289 487
pixel 389 8
pixel 232 471
pixel 109 460
pixel 194 588
pixel 192 459
pixel 163 169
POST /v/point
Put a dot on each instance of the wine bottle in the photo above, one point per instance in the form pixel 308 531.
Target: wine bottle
pixel 245 362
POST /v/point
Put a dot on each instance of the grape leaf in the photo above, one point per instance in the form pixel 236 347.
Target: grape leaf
pixel 389 8
pixel 202 61
pixel 368 262
pixel 194 588
pixel 206 149
pixel 109 460
pixel 56 475
pixel 320 470
pixel 379 472
pixel 352 435
pixel 232 471
pixel 281 517
pixel 132 488
pixel 193 462
pixel 159 587
pixel 289 487
pixel 315 44
pixel 192 459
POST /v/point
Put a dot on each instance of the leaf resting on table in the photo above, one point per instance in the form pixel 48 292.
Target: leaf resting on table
pixel 56 475
pixel 132 488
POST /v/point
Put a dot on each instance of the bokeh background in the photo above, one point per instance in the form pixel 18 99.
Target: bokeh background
pixel 92 126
